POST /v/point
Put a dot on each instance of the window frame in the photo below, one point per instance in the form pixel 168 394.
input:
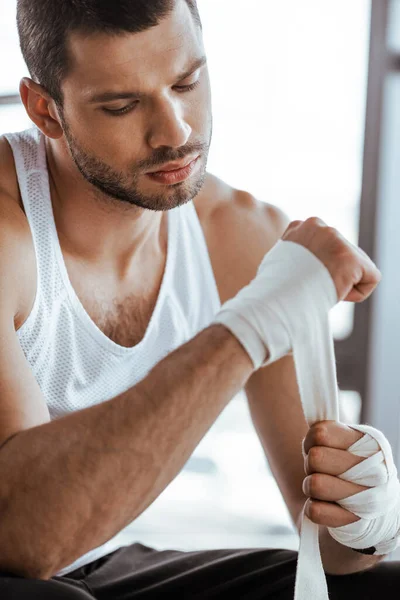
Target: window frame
pixel 352 353
pixel 6 99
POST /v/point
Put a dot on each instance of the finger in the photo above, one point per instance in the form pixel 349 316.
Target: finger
pixel 292 225
pixel 370 276
pixel 311 222
pixel 330 461
pixel 329 514
pixel 331 434
pixel 361 291
pixel 329 488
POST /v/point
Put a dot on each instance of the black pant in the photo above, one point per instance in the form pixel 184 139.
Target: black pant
pixel 139 571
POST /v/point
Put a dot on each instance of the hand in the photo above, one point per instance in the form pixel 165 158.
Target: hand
pixel 326 446
pixel 353 272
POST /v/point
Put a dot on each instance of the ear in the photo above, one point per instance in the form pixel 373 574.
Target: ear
pixel 41 108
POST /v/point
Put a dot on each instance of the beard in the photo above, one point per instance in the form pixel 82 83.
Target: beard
pixel 117 186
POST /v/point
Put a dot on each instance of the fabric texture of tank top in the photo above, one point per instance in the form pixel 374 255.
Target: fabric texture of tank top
pixel 75 364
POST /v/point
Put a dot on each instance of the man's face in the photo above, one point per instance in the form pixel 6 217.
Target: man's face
pixel 161 117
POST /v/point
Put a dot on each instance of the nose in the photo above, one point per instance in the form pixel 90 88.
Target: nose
pixel 168 128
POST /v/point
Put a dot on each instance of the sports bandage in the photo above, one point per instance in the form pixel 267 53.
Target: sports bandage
pixel 287 305
pixel 379 506
pixel 267 312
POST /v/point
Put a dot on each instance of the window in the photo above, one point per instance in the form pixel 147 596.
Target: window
pixel 12 114
pixel 289 91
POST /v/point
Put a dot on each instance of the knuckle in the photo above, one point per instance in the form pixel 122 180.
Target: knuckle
pixel 295 223
pixel 343 254
pixel 315 457
pixel 357 262
pixel 314 221
pixel 356 267
pixel 315 484
pixel 332 232
pixel 320 435
pixel 291 228
pixel 315 511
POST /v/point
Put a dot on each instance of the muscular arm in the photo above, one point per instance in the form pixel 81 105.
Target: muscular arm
pixel 279 420
pixel 278 417
pixel 250 230
pixel 71 484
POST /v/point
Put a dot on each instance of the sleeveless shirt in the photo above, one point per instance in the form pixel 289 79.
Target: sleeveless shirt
pixel 75 364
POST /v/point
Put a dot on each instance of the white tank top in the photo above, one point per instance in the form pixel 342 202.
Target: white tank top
pixel 75 364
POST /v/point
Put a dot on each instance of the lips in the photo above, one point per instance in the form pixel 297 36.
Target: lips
pixel 173 166
pixel 175 175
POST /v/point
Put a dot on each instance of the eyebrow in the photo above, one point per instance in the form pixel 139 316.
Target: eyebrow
pixel 108 96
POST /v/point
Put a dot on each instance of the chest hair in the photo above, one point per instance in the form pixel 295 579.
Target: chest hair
pixel 123 321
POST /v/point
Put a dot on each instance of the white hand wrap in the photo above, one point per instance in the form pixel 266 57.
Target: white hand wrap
pixel 288 279
pixel 379 506
pixel 286 307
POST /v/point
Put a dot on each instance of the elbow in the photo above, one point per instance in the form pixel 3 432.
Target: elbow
pixel 22 553
pixel 34 572
pixel 38 569
pixel 23 559
pixel 27 568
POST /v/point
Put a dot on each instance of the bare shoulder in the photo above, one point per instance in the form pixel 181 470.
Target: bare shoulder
pixel 8 176
pixel 17 255
pixel 239 230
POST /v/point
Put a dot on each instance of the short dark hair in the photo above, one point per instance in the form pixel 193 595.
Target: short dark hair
pixel 43 27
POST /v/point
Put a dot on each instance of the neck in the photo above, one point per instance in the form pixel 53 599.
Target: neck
pixel 94 227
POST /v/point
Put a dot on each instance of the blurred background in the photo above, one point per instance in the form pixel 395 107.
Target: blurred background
pixel 306 101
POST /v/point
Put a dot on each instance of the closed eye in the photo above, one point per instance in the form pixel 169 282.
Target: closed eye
pixel 131 107
pixel 188 88
pixel 120 111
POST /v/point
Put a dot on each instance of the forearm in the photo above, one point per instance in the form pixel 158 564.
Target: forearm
pixel 71 484
pixel 279 421
pixel 282 445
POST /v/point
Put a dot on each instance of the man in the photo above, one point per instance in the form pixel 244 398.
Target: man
pixel 117 250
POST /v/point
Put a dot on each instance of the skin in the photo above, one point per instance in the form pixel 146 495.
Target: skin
pixel 97 164
pixel 326 446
